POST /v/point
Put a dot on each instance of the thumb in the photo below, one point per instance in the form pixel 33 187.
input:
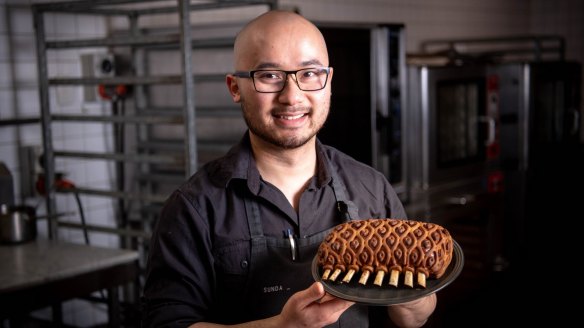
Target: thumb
pixel 310 295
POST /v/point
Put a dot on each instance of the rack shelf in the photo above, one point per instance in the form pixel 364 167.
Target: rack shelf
pixel 153 119
pixel 118 194
pixel 150 154
pixel 139 40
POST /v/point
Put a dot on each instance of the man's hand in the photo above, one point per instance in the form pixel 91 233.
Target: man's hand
pixel 309 308
pixel 313 307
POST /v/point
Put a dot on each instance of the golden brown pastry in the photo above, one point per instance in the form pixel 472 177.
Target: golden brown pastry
pixel 383 246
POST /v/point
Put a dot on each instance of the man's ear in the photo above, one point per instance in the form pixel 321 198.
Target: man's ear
pixel 233 88
pixel 331 74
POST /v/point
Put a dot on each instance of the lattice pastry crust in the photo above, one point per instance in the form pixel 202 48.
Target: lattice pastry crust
pixel 386 246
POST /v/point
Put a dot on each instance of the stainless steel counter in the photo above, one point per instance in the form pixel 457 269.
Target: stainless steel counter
pixel 43 273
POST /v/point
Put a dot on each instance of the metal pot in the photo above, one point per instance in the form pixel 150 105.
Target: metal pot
pixel 17 224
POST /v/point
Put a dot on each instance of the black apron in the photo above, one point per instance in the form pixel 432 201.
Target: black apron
pixel 273 277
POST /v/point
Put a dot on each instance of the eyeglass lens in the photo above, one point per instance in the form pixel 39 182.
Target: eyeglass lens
pixel 310 79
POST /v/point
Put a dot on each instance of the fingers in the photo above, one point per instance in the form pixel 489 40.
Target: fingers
pixel 317 294
pixel 327 297
pixel 333 304
pixel 313 307
pixel 327 303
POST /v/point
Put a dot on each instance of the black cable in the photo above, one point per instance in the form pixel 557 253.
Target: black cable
pixel 82 215
pixel 85 234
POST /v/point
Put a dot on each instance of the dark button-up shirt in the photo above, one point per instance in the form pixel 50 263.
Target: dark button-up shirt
pixel 202 238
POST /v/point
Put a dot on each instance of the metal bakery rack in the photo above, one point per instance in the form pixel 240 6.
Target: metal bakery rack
pixel 162 65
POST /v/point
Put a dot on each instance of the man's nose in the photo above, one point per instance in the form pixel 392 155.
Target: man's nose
pixel 291 92
pixel 291 76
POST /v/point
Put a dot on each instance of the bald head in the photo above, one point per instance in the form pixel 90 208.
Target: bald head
pixel 279 39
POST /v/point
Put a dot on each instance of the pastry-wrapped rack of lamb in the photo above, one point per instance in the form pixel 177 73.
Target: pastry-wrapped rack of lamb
pixel 386 246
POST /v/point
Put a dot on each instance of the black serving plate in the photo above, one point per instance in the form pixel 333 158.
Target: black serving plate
pixel 371 294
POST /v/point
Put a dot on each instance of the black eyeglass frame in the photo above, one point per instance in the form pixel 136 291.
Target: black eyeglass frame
pixel 250 74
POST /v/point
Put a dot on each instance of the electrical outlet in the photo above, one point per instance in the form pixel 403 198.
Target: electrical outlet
pixel 99 64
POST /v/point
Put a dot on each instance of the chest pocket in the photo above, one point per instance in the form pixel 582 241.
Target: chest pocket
pixel 231 272
pixel 233 258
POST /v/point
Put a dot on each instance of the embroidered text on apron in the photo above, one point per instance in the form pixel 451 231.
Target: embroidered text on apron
pixel 273 277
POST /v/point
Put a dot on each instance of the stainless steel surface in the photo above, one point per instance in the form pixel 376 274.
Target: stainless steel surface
pixel 17 224
pixel 427 122
pixel 43 261
pixel 45 273
pixel 519 48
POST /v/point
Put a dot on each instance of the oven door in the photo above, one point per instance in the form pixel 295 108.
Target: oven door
pixel 450 126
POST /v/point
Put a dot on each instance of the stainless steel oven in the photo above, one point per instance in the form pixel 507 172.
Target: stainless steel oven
pixel 455 180
pixel 499 138
pixel 452 128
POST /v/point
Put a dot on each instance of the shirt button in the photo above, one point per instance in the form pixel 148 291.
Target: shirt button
pixel 244 264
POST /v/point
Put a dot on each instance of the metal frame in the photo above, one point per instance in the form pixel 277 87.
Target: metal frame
pixel 383 99
pixel 532 48
pixel 137 41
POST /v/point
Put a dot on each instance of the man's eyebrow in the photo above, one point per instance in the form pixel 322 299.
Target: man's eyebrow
pixel 268 66
pixel 313 62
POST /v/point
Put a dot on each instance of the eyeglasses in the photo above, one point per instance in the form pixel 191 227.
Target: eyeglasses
pixel 272 80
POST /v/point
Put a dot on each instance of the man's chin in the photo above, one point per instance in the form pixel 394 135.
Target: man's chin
pixel 289 143
pixel 285 142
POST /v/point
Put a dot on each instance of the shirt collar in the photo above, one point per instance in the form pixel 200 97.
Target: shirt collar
pixel 323 166
pixel 239 164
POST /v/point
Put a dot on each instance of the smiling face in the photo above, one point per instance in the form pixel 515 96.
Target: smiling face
pixel 283 41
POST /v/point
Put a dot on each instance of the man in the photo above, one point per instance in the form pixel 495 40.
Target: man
pixel 234 245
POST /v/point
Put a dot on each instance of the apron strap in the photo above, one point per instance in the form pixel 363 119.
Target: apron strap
pixel 258 240
pixel 347 209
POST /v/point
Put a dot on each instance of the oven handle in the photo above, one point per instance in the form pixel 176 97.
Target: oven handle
pixel 575 123
pixel 492 126
pixel 461 200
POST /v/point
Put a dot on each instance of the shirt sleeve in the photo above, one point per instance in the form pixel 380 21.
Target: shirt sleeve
pixel 179 274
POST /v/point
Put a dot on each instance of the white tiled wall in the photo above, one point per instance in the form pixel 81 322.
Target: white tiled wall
pixel 424 20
